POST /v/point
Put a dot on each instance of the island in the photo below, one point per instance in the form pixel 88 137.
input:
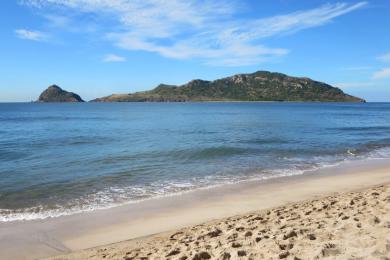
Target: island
pixel 258 86
pixel 56 94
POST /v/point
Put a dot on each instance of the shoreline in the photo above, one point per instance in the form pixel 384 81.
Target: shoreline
pixel 250 180
pixel 49 237
pixel 346 225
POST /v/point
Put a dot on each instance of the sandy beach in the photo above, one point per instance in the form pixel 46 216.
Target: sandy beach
pixel 340 212
pixel 353 225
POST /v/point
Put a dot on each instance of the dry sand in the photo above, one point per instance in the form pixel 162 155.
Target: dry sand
pixel 352 225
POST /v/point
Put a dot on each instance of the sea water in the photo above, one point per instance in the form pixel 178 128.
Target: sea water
pixel 61 158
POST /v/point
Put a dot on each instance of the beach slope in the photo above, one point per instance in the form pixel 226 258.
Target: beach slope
pixel 353 225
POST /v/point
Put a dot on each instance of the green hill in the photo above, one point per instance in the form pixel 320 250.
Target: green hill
pixel 258 86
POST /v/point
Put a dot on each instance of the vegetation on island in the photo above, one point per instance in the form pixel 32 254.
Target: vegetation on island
pixel 258 86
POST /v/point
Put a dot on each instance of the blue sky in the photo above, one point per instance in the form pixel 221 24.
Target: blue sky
pixel 99 47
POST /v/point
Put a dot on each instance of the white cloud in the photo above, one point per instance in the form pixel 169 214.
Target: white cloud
pixel 381 74
pixel 210 30
pixel 385 57
pixel 113 58
pixel 297 21
pixel 30 35
pixel 57 21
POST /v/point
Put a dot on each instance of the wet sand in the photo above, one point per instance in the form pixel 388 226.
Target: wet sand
pixel 50 237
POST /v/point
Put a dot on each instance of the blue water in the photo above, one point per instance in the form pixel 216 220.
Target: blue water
pixel 58 159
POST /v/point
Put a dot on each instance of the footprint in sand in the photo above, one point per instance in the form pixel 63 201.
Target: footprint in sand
pixel 330 250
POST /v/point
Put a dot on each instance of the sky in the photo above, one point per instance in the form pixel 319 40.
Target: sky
pixel 98 47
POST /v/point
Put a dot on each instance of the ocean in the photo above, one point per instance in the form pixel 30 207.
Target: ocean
pixel 60 159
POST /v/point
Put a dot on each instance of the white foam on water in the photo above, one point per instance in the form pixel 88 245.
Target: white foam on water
pixel 117 196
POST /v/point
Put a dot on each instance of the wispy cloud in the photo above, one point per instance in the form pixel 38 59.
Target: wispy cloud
pixel 209 30
pixel 113 58
pixel 31 35
pixel 57 21
pixel 385 57
pixel 382 74
pixel 297 21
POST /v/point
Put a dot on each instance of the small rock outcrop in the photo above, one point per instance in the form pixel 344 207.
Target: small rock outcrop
pixel 56 94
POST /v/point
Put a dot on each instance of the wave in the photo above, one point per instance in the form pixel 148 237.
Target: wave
pixel 218 152
pixel 116 195
pixel 261 141
pixel 364 129
pixel 55 118
pixel 7 155
pixel 183 154
pixel 370 148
